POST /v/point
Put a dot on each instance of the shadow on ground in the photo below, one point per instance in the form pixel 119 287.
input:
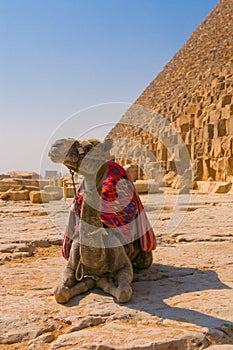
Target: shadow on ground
pixel 151 289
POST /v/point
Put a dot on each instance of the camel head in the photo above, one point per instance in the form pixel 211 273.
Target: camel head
pixel 82 156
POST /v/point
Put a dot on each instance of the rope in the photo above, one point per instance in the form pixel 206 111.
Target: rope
pixel 79 271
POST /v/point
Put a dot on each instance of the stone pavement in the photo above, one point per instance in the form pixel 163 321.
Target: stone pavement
pixel 184 301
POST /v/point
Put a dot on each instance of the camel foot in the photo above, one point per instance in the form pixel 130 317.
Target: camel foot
pixel 123 295
pixel 62 294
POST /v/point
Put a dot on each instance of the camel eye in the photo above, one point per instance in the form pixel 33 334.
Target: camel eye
pixel 88 148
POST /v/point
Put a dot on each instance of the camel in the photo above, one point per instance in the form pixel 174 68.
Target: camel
pixel 92 262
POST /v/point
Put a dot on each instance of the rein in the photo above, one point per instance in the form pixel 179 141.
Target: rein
pixel 80 271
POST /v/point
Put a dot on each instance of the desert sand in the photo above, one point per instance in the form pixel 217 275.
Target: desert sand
pixel 184 301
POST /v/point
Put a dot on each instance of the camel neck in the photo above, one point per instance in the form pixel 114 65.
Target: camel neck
pixel 92 198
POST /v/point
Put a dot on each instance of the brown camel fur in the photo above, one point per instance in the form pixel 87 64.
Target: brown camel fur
pixel 92 263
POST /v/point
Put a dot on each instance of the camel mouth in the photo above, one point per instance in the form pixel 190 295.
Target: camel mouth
pixel 56 156
pixel 60 149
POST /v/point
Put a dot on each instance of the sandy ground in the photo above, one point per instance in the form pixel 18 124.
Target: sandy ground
pixel 184 301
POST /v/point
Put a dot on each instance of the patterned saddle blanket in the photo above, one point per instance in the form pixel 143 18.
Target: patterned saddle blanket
pixel 121 210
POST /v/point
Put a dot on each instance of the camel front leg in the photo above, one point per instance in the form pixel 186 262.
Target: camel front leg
pixel 69 274
pixel 107 286
pixel 69 286
pixel 123 291
pixel 63 293
pixel 124 279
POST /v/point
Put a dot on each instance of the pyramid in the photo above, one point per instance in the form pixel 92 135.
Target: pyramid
pixel 193 95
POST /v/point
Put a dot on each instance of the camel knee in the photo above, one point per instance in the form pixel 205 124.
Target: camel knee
pixel 62 294
pixel 69 280
pixel 143 260
pixel 90 283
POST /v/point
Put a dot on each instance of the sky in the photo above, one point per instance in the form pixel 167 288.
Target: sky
pixel 70 66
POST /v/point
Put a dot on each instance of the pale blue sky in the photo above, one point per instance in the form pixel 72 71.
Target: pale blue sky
pixel 61 56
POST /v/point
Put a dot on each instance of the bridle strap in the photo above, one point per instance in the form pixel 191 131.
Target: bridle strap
pixel 80 149
pixel 74 187
pixel 81 155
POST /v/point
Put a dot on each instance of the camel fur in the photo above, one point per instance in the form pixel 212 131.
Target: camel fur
pixel 91 262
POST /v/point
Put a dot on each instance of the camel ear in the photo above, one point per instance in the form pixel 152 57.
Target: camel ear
pixel 107 144
pixel 89 143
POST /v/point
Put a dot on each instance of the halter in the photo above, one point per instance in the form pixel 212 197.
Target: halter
pixel 81 155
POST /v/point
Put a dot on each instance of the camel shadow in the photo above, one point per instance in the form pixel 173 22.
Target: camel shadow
pixel 160 282
pixel 153 286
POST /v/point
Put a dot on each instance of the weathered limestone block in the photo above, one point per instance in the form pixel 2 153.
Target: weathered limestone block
pixel 208 131
pixel 188 137
pixel 222 131
pixel 56 193
pixel 30 188
pixel 226 144
pixel 69 192
pixel 28 182
pixel 209 108
pixel 55 196
pixel 214 83
pixel 153 186
pixel 205 186
pixel 208 169
pixel 162 153
pixel 194 133
pixel 218 176
pixel 229 165
pixel 141 186
pixel 6 184
pixel 214 116
pixel 229 126
pixel 180 152
pixel 198 150
pixel 14 195
pixel 43 183
pixel 198 120
pixel 207 148
pixel 220 347
pixel 132 171
pixel 222 187
pixel 176 183
pixel 39 197
pixel 50 188
pixel 197 170
pixel 184 128
pixel 220 163
pixel 226 100
pixel 170 177
pixel 191 109
pixel 217 147
pixel 183 181
pixel 145 186
pixel 225 112
pixel 184 119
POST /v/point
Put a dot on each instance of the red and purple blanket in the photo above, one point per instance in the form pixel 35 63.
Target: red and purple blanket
pixel 121 209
